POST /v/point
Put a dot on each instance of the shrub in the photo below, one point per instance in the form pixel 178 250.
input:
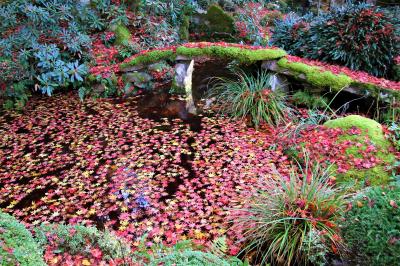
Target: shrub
pixel 251 97
pixel 81 240
pixel 17 246
pixel 48 42
pixel 292 221
pixel 251 23
pixel 372 226
pixel 358 36
pixel 186 253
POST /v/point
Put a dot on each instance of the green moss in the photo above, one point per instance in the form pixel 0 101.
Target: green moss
pixel 369 127
pixel 219 20
pixel 328 79
pixel 373 130
pixel 150 57
pixel 316 76
pixel 241 54
pixel 14 235
pixel 122 34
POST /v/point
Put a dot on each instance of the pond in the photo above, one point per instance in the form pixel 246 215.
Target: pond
pixel 126 165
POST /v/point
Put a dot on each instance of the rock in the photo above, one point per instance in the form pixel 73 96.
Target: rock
pixel 279 82
pixel 373 131
pixel 141 80
pixel 216 23
pixel 133 68
pixel 180 74
pixel 182 58
pixel 159 66
pixel 190 106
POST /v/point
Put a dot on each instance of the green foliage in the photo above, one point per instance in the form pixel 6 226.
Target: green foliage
pixel 372 130
pixel 17 246
pixel 315 76
pixel 185 253
pixel 46 42
pixel 396 72
pixel 280 224
pixel 184 28
pixel 16 95
pixel 309 100
pixel 372 227
pixel 77 239
pixel 395 135
pixel 251 97
pixel 357 36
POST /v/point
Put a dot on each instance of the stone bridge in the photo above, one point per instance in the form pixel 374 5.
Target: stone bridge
pixel 316 74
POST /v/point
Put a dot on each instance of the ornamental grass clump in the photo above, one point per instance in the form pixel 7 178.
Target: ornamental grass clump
pixel 251 97
pixel 293 221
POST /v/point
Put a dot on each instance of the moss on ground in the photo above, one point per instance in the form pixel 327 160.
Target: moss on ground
pixel 373 131
pixel 316 76
pixel 23 248
pixel 122 34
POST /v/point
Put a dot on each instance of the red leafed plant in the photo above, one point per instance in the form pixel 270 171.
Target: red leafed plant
pixel 293 219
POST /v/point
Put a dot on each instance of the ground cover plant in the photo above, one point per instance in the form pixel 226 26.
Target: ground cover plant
pixel 371 226
pixel 149 132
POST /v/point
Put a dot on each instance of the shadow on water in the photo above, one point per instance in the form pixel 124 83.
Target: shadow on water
pixel 159 105
pixel 35 195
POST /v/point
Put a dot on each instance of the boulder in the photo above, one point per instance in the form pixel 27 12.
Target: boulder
pixel 371 134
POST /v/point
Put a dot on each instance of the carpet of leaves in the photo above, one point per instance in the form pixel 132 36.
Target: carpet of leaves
pixel 99 163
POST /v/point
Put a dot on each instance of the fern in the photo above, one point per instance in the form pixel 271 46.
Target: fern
pixel 190 258
pixel 219 247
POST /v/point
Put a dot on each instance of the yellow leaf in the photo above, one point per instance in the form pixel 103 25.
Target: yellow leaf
pixel 86 262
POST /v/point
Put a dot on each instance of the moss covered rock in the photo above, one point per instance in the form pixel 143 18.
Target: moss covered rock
pixel 122 34
pixel 216 24
pixel 17 246
pixel 370 133
pixel 219 20
pixel 316 76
